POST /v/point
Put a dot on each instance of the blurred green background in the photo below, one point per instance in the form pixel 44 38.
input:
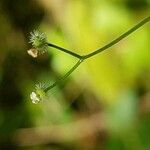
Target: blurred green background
pixel 104 104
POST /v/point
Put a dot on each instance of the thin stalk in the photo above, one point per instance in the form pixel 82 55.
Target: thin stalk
pixel 65 76
pixel 65 50
pixel 115 41
pixel 84 57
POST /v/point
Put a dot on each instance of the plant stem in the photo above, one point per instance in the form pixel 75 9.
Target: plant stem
pixel 84 57
pixel 115 41
pixel 65 76
pixel 65 50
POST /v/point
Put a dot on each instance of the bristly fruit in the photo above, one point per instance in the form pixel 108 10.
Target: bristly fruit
pixel 39 43
pixel 39 94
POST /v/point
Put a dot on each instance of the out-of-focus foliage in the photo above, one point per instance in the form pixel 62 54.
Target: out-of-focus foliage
pixel 104 105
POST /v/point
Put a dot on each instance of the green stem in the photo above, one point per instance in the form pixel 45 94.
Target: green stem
pixel 65 50
pixel 81 58
pixel 65 76
pixel 115 41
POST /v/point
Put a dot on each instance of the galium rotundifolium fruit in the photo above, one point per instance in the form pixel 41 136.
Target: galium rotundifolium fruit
pixel 38 94
pixel 39 43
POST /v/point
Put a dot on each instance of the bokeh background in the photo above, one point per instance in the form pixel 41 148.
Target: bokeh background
pixel 104 104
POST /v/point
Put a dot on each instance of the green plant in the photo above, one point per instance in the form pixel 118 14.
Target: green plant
pixel 40 45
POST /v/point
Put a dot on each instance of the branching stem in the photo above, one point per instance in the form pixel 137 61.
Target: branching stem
pixel 84 57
